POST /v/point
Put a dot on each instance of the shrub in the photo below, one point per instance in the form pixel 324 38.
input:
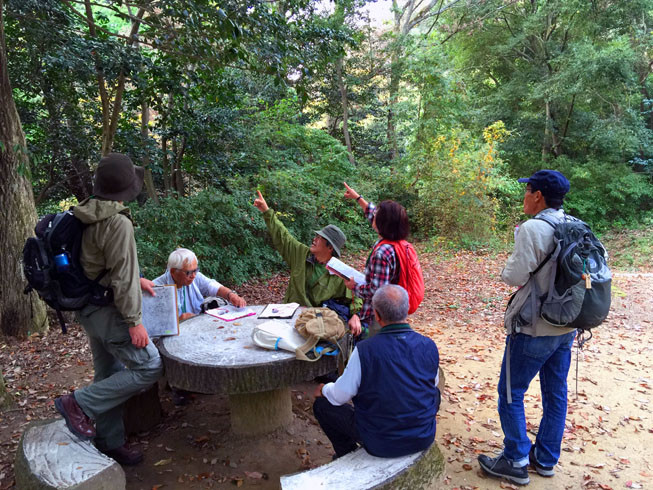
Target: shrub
pixel 462 192
pixel 222 229
pixel 606 194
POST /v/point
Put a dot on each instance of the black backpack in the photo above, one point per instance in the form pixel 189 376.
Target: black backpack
pixel 579 294
pixel 52 267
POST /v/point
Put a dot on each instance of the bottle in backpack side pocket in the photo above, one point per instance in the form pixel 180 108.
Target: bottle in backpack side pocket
pixel 61 262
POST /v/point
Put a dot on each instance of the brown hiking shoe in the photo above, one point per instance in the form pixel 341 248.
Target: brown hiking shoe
pixel 77 421
pixel 125 455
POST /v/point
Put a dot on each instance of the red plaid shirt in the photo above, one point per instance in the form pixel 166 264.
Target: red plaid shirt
pixel 382 268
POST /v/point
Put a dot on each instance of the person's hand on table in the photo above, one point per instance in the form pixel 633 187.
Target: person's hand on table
pixel 318 390
pixel 355 325
pixel 186 316
pixel 260 203
pixel 147 286
pixel 139 336
pixel 236 300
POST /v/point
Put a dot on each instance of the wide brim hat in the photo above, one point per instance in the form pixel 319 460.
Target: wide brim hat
pixel 117 178
pixel 333 235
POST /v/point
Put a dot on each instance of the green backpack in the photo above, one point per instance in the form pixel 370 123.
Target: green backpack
pixel 315 325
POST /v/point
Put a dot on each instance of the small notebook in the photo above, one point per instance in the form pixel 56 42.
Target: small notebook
pixel 282 310
pixel 160 312
pixel 230 313
pixel 339 268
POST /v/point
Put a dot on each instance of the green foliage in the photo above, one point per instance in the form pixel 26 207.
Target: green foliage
pixel 630 249
pixel 605 194
pixel 238 94
pixel 227 232
pixel 222 229
pixel 462 191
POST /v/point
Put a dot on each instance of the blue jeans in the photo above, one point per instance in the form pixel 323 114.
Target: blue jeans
pixel 551 357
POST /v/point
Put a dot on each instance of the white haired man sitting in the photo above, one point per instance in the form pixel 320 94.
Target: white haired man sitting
pixel 392 379
pixel 192 285
pixel 192 288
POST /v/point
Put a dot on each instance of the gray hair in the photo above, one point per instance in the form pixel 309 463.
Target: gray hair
pixel 391 303
pixel 179 257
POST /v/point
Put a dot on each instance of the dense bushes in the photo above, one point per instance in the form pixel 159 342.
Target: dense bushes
pixel 464 193
pixel 303 183
pixel 455 186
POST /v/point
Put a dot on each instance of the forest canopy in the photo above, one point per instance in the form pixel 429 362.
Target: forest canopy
pixel 441 108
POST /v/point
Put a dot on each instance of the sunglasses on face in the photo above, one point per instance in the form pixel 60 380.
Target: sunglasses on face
pixel 190 273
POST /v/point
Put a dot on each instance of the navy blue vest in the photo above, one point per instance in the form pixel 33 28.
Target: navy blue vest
pixel 397 399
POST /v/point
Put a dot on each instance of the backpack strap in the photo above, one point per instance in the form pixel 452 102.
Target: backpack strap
pixel 399 254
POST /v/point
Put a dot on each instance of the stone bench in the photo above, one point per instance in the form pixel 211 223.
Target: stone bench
pixel 360 470
pixel 49 456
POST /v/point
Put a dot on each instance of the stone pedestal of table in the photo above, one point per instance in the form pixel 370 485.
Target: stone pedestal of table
pixel 214 356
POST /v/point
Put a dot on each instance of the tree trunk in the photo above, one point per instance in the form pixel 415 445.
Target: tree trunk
pixel 5 397
pixel 110 108
pixel 18 315
pixel 345 112
pixel 395 76
pixel 178 150
pixel 149 181
pixel 392 102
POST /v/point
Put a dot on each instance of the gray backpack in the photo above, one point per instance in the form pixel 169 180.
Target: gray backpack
pixel 579 291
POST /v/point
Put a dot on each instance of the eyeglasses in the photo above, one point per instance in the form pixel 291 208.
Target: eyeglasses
pixel 190 273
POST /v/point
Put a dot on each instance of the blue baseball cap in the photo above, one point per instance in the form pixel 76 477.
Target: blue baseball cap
pixel 550 183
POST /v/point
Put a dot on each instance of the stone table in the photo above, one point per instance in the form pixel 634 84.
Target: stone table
pixel 213 356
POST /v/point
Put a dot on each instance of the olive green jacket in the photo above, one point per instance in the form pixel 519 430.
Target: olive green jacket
pixel 310 282
pixel 108 244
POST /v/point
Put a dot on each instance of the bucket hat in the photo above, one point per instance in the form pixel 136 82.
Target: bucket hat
pixel 117 178
pixel 333 235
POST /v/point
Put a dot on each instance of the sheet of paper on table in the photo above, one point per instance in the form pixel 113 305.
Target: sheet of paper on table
pixel 281 310
pixel 230 313
pixel 339 268
pixel 160 312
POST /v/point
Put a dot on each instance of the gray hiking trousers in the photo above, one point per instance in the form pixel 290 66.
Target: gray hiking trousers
pixel 121 371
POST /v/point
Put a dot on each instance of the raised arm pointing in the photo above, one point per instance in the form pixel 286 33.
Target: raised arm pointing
pixel 352 194
pixel 260 203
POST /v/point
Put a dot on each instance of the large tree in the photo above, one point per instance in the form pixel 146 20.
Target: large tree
pixel 569 74
pixel 17 314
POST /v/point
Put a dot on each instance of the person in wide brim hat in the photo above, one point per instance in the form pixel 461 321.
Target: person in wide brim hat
pixel 117 178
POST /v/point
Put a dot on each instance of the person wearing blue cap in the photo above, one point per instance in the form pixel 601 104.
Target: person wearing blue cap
pixel 532 348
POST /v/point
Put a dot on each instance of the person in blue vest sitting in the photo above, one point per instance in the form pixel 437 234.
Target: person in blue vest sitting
pixel 392 379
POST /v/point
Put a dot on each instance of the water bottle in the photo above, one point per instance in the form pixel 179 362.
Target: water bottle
pixel 61 262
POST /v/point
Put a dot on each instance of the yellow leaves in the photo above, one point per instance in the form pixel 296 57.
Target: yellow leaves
pixel 495 132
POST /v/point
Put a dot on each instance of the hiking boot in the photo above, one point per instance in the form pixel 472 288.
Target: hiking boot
pixel 77 421
pixel 502 468
pixel 541 470
pixel 124 455
pixel 180 397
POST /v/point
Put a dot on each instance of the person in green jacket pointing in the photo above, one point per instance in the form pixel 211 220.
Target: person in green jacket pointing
pixel 310 282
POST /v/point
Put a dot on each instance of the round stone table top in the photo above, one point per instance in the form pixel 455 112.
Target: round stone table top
pixel 214 356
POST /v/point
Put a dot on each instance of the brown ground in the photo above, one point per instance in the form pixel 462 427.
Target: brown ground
pixel 608 440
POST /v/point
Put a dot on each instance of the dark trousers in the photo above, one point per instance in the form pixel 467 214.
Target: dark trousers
pixel 339 425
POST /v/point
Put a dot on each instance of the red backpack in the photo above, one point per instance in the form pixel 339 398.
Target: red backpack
pixel 410 272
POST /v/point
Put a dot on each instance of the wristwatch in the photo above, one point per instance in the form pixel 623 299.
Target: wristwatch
pixel 359 197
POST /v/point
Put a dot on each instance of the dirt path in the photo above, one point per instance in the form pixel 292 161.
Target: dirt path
pixel 608 441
